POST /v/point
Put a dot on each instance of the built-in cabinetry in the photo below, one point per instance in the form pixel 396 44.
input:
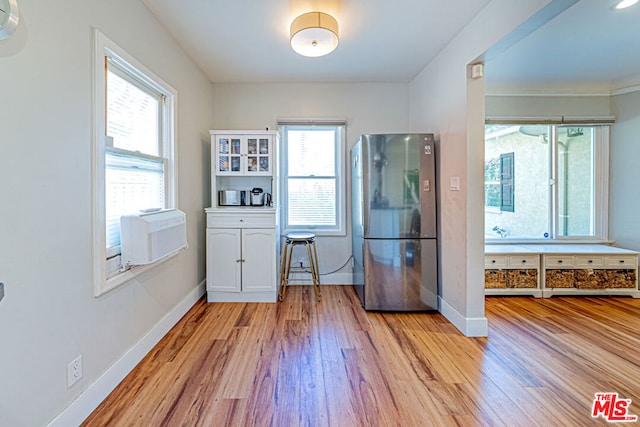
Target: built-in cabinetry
pixel 511 271
pixel 561 270
pixel 242 241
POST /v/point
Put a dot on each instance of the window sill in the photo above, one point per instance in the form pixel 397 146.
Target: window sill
pixel 546 241
pixel 127 275
pixel 318 233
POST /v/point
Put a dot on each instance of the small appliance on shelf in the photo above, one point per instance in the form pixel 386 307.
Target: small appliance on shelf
pixel 259 197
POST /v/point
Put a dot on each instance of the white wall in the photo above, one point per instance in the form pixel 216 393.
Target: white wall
pixel 49 315
pixel 558 105
pixel 367 107
pixel 444 100
pixel 624 195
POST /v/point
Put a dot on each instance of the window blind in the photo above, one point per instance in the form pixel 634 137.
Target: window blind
pixel 131 183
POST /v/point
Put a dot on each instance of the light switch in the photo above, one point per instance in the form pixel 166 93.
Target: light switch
pixel 454 183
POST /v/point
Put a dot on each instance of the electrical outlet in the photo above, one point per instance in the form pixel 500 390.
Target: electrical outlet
pixel 74 371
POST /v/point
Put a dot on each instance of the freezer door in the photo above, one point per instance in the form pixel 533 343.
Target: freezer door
pixel 398 186
pixel 400 275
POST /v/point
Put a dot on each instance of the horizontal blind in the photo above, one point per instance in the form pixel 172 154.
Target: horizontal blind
pixel 131 184
pixel 563 120
pixel 312 202
pixel 133 113
pixel 312 122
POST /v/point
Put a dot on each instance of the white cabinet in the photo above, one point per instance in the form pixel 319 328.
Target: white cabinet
pixel 242 243
pixel 243 154
pixel 241 255
pixel 560 269
pixel 242 160
pixel 589 270
pixel 511 270
pixel 224 255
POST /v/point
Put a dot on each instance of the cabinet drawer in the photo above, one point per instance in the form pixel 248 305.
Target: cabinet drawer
pixel 585 261
pixel 559 261
pixel 523 261
pixel 495 262
pixel 621 261
pixel 232 220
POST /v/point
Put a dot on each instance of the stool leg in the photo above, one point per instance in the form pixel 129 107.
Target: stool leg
pixel 315 258
pixel 283 277
pixel 288 270
pixel 314 275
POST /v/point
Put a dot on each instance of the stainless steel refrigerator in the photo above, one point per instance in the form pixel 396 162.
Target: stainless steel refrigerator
pixel 394 231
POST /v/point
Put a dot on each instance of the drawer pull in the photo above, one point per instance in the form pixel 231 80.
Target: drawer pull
pixel 621 261
pixel 493 261
pixel 590 261
pixel 559 261
pixel 524 261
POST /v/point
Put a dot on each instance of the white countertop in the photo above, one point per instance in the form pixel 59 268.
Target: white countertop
pixel 241 209
pixel 556 249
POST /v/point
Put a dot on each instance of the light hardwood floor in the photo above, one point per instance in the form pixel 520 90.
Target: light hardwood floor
pixel 304 363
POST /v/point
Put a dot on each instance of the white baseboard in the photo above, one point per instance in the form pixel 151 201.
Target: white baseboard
pixel 469 326
pixel 89 400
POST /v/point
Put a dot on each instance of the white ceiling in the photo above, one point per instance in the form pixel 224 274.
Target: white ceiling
pixel 588 47
pixel 391 41
pixel 248 40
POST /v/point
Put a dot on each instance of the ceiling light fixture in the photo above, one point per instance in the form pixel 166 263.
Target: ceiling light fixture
pixel 314 34
pixel 625 3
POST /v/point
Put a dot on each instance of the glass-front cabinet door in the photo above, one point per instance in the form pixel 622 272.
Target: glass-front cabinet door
pixel 258 155
pixel 244 155
pixel 229 151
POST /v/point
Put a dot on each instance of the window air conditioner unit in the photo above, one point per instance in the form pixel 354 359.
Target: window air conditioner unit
pixel 147 237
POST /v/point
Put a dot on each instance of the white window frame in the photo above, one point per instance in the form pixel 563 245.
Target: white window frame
pixel 600 191
pixel 340 127
pixel 104 262
pixel 601 185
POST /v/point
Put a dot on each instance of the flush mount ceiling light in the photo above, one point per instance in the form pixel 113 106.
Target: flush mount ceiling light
pixel 314 34
pixel 625 3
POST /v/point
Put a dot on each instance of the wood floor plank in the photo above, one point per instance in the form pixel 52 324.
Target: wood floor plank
pixel 301 362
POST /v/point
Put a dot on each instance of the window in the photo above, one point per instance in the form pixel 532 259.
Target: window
pixel 498 182
pixel 312 178
pixel 546 181
pixel 133 152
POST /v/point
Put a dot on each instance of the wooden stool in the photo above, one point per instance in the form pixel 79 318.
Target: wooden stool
pixel 291 240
